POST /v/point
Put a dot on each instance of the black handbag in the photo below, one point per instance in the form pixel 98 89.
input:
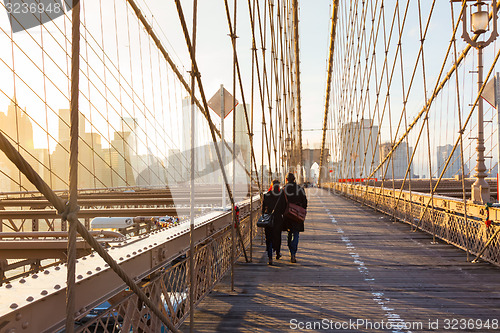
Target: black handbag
pixel 265 221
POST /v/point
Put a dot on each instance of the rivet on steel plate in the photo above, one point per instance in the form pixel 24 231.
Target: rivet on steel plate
pixel 13 306
pixel 22 281
pixel 89 272
pixel 44 292
pixel 46 272
pixel 128 255
pixel 34 276
pixel 57 268
pixel 8 286
pixel 57 287
pixel 79 277
pixel 30 299
pixel 98 269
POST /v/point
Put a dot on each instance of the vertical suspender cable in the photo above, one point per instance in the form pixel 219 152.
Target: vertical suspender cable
pixel 207 114
pixel 191 183
pixel 73 167
pixel 251 133
pixel 328 86
pixel 460 132
pixel 297 82
pixel 233 212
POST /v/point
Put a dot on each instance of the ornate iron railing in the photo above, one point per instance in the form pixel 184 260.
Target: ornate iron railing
pixel 473 228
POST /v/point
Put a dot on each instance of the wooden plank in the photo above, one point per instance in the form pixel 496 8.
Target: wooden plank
pixel 353 264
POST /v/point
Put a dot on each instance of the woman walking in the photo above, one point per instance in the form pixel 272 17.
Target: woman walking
pixel 273 234
pixel 292 193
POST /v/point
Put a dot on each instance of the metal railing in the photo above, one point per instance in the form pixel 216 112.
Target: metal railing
pixel 168 287
pixel 440 216
pixel 157 261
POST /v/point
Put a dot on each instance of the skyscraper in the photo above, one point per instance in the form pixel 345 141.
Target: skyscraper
pixel 454 167
pixel 398 161
pixel 359 149
pixel 242 139
pixel 17 126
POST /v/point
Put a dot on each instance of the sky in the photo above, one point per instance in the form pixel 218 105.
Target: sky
pixel 214 50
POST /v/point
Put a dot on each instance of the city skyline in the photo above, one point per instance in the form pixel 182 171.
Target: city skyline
pixel 118 165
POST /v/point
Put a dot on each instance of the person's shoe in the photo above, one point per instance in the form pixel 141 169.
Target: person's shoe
pixel 278 256
pixel 270 262
pixel 293 260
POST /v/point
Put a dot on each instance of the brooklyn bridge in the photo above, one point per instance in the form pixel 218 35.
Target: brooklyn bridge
pixel 138 138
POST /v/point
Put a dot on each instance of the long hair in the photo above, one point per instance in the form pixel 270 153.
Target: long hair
pixel 275 186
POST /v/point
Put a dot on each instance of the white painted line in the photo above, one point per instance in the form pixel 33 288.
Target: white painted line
pixel 378 297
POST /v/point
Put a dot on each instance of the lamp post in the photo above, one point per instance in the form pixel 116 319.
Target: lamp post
pixel 479 17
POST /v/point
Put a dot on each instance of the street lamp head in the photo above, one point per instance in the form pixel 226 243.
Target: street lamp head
pixel 479 19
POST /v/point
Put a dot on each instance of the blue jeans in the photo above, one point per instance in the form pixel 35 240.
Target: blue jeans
pixel 293 241
pixel 269 241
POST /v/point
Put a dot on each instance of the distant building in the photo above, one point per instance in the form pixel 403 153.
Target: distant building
pixel 454 167
pixel 17 126
pixel 204 155
pixel 264 175
pixel 242 139
pixel 360 151
pixel 92 171
pixel 397 164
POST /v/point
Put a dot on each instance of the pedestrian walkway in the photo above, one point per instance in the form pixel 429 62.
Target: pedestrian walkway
pixel 357 271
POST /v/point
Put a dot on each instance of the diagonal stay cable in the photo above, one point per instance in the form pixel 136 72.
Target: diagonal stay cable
pixel 427 111
pixel 328 85
pixel 15 157
pixel 492 68
pixel 437 90
pixel 159 45
pixel 233 42
pixel 211 124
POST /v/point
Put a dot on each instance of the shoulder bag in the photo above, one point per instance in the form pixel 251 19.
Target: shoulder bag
pixel 267 220
pixel 294 212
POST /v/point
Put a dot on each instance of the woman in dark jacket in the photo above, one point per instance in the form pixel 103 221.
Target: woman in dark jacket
pixel 273 235
pixel 292 193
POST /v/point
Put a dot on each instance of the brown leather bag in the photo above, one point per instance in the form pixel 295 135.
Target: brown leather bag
pixel 294 212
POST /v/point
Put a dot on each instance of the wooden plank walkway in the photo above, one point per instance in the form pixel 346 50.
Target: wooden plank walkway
pixel 356 267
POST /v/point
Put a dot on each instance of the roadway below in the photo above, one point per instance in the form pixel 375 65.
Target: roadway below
pixel 357 271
